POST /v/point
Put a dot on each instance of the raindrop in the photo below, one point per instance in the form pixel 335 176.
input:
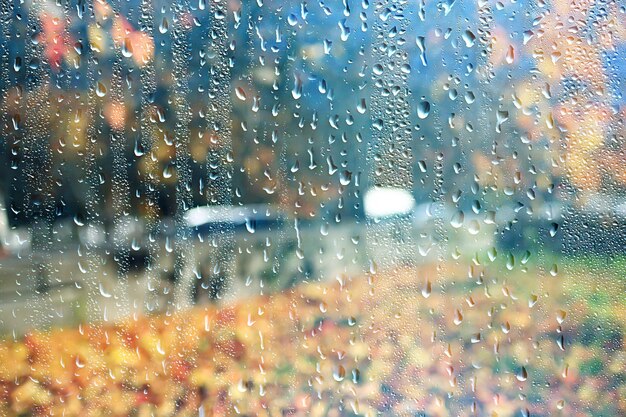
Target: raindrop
pixel 138 150
pixel 250 225
pixel 17 64
pixel 339 374
pixel 164 26
pixel 127 48
pixel 361 107
pixel 457 219
pixel 553 229
pixel 458 317
pixel 296 91
pixel 423 109
pixel 469 38
pixel 103 292
pixel 356 376
pixel 510 55
pixel 240 93
pixel 101 90
pixel 426 289
pixel 501 117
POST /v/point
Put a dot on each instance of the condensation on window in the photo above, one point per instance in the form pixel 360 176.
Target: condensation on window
pixel 312 208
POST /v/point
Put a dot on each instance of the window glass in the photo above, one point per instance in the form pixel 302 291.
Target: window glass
pixel 312 208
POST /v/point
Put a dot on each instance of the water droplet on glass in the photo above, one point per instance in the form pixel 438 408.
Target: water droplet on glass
pixel 458 317
pixel 101 90
pixel 361 107
pixel 240 93
pixel 296 91
pixel 510 55
pixel 427 289
pixel 339 374
pixel 423 109
pixel 127 48
pixel 469 38
pixel 457 219
pixel 164 26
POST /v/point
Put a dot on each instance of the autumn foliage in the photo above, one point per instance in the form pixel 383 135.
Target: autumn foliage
pixel 419 340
